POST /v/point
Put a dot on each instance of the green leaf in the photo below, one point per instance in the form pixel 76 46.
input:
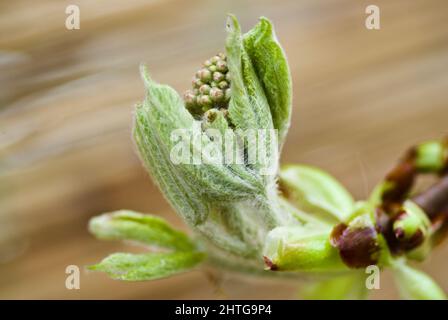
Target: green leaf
pixel 155 154
pixel 248 106
pixel 414 284
pixel 271 67
pixel 348 287
pixel 190 188
pixel 150 266
pixel 144 228
pixel 304 218
pixel 195 191
pixel 316 192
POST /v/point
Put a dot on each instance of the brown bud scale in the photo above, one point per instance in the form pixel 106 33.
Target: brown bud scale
pixel 358 247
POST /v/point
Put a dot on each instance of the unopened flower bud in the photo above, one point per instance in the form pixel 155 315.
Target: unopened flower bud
pixel 204 89
pixel 204 75
pixel 204 101
pixel 190 98
pixel 216 95
pixel 221 66
pixel 218 76
pixel 210 87
pixel 223 84
pixel 197 83
pixel 215 59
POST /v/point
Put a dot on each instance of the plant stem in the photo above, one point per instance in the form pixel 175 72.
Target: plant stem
pixel 435 199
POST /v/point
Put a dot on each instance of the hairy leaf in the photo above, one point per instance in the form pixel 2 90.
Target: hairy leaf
pixel 271 66
pixel 249 107
pixel 149 266
pixel 144 228
pixel 189 187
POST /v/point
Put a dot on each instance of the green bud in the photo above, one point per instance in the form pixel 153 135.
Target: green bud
pixel 406 226
pixel 223 84
pixel 215 59
pixel 221 66
pixel 190 98
pixel 411 225
pixel 204 75
pixel 417 240
pixel 204 101
pixel 206 79
pixel 218 76
pixel 216 95
pixel 431 156
pixel 204 89
pixel 197 83
pixel 301 249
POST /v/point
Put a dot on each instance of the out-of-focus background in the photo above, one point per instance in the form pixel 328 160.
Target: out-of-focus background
pixel 361 97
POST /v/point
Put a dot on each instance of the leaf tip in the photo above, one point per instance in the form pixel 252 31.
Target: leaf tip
pixel 232 23
pixel 93 267
pixel 144 73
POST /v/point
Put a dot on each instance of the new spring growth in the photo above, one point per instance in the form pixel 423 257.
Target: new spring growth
pixel 296 220
pixel 211 87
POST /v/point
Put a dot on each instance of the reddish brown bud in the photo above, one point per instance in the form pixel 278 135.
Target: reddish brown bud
pixel 358 247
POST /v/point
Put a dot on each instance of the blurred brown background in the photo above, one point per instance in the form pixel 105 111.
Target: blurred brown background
pixel 360 99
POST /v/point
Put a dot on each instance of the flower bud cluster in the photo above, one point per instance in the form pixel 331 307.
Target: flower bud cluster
pixel 211 87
